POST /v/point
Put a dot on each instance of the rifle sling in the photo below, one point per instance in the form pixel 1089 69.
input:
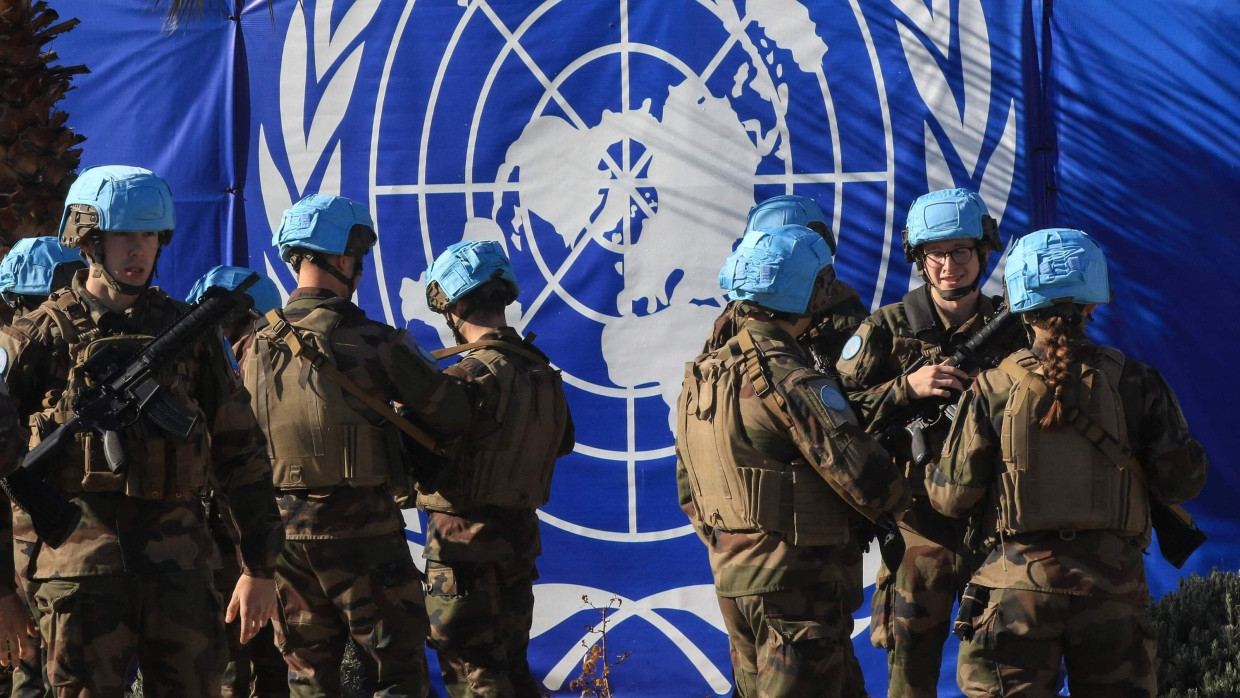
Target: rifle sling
pixel 1119 454
pixel 284 330
pixel 755 370
pixel 498 344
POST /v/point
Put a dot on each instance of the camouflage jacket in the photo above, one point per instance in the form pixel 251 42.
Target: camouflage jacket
pixel 387 362
pixel 894 338
pixel 827 333
pixel 756 562
pixel 490 534
pixel 121 533
pixel 1094 563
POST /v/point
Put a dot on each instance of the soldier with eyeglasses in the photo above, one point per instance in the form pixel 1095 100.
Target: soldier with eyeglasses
pixel 949 237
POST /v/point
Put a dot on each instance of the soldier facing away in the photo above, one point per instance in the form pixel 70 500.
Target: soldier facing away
pixel 949 236
pixel 771 464
pixel 1063 447
pixel 842 311
pixel 255 668
pixel 322 378
pixel 482 536
pixel 133 580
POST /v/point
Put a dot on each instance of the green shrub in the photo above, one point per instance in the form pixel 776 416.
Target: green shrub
pixel 1198 629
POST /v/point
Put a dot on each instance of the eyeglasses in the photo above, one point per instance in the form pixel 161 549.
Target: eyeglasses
pixel 959 255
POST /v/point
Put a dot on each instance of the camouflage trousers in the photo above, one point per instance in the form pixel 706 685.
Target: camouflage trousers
pixel 480 618
pixel 1021 637
pixel 29 679
pixel 912 609
pixel 94 627
pixel 794 642
pixel 364 588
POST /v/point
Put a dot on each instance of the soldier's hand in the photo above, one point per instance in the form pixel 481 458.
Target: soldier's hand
pixel 254 602
pixel 15 629
pixel 936 380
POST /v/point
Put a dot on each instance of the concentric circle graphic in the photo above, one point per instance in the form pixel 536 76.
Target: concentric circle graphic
pixel 618 177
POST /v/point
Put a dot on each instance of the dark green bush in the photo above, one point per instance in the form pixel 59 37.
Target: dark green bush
pixel 1198 629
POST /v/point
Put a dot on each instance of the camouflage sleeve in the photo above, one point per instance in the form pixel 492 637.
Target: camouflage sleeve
pixel 26 368
pixel 1175 462
pixel 828 434
pixel 958 482
pixel 8 578
pixel 872 374
pixel 438 401
pixel 239 458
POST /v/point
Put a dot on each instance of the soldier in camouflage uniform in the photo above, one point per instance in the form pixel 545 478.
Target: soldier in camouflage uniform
pixel 842 310
pixel 891 368
pixel 482 535
pixel 323 377
pixel 771 464
pixel 254 668
pixel 133 579
pixel 1063 448
pixel 29 273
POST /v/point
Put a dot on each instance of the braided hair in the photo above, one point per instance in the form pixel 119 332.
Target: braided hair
pixel 1063 342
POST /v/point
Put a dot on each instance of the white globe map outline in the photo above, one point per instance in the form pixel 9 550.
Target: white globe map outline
pixel 925 30
pixel 631 456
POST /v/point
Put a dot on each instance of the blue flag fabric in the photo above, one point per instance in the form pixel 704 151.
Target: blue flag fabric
pixel 615 148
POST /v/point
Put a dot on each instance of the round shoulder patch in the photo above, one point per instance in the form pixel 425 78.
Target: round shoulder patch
pixel 832 398
pixel 4 362
pixel 228 353
pixel 852 347
pixel 412 344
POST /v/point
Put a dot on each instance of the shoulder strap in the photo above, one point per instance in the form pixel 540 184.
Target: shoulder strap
pixel 1116 452
pixel 919 310
pixel 499 344
pixel 284 330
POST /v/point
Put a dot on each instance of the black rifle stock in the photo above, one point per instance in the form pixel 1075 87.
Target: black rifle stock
pixel 124 389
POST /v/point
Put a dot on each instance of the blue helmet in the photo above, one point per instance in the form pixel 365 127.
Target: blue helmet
pixel 790 209
pixel 777 268
pixel 1056 264
pixel 263 293
pixel 30 268
pixel 948 214
pixel 464 267
pixel 327 224
pixel 121 199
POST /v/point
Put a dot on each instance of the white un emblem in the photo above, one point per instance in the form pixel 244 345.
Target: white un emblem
pixel 616 155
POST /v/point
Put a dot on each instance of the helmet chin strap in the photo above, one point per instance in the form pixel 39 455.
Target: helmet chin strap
pixel 456 326
pixel 99 269
pixel 350 282
pixel 955 294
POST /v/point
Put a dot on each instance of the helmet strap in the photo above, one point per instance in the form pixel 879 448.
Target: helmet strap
pixel 100 270
pixel 320 261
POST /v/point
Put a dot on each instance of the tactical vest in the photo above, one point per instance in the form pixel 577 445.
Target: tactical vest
pixel 735 487
pixel 314 439
pixel 1058 480
pixel 511 466
pixel 160 467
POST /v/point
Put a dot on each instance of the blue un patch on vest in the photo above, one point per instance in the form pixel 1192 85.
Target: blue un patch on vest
pixel 832 398
pixel 851 348
pixel 4 363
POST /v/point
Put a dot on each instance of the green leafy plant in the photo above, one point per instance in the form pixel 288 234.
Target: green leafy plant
pixel 1198 628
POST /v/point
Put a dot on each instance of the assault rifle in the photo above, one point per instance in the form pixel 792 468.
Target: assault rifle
pixel 123 388
pixel 927 416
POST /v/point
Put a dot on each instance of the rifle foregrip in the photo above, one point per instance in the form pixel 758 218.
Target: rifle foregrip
pixel 54 517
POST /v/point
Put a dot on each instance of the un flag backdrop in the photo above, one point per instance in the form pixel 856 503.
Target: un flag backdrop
pixel 614 148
